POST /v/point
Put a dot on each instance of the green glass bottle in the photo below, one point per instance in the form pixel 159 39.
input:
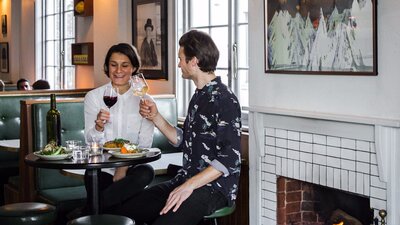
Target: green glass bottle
pixel 53 122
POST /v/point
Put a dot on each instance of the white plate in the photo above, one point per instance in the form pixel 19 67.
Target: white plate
pixel 52 157
pixel 118 154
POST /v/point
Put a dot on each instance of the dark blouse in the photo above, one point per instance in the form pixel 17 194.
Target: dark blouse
pixel 211 136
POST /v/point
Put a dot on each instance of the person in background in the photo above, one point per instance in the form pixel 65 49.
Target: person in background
pixel 23 85
pixel 41 85
pixel 2 86
pixel 121 62
pixel 209 140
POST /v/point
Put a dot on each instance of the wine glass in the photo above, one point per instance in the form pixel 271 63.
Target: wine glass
pixel 140 88
pixel 110 97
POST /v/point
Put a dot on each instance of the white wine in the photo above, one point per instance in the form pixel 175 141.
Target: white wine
pixel 53 122
pixel 140 92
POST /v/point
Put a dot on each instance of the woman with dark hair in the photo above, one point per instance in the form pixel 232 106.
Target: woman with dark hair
pixel 122 120
pixel 41 85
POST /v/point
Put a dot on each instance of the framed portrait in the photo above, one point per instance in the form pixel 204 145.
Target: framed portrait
pixel 4 57
pixel 149 34
pixel 321 37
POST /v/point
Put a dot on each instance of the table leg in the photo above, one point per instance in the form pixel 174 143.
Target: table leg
pixel 93 192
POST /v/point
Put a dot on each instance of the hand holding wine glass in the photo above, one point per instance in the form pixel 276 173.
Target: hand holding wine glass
pixel 110 97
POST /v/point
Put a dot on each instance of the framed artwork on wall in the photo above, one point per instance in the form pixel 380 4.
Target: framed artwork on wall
pixel 4 57
pixel 4 24
pixel 149 34
pixel 321 37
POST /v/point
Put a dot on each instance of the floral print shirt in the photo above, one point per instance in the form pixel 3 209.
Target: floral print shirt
pixel 211 137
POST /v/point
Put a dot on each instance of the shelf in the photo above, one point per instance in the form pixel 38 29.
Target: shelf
pixel 83 7
pixel 82 53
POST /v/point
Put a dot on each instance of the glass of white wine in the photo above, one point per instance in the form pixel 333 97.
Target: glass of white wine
pixel 140 88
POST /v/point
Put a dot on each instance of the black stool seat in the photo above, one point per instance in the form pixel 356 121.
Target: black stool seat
pixel 32 213
pixel 104 219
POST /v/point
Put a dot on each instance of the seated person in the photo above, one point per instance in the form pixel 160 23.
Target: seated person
pixel 2 86
pixel 23 85
pixel 41 85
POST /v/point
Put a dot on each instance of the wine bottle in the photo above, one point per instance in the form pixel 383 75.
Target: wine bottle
pixel 53 122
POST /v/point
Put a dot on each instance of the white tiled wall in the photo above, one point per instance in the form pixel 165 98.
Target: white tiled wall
pixel 338 162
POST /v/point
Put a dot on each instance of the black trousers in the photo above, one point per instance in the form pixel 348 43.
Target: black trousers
pixel 145 206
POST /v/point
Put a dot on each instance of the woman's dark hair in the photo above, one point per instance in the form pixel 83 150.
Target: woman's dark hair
pixel 40 85
pixel 200 45
pixel 126 49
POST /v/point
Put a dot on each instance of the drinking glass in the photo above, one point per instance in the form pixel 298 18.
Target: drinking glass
pixel 140 88
pixel 110 97
pixel 71 144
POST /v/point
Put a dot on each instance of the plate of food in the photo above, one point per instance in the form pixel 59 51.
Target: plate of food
pixel 115 145
pixel 53 152
pixel 129 151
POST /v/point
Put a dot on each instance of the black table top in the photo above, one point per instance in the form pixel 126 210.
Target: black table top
pixel 94 162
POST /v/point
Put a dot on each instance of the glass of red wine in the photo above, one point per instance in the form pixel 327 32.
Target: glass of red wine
pixel 110 97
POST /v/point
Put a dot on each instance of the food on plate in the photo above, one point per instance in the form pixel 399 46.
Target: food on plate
pixel 52 149
pixel 129 149
pixel 116 143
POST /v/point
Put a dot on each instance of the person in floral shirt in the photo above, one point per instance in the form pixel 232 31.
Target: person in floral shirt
pixel 209 140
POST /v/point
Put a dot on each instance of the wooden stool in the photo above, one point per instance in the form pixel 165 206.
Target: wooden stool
pixel 220 213
pixel 32 213
pixel 104 219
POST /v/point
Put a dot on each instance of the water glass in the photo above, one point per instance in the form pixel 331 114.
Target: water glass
pixel 72 144
pixel 80 153
pixel 95 148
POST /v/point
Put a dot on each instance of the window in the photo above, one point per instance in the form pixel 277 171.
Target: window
pixel 55 32
pixel 227 23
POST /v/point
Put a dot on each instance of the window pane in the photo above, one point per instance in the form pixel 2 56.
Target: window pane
pixel 52 76
pixel 52 6
pixel 52 27
pixel 243 79
pixel 52 53
pixel 223 73
pixel 199 14
pixel 242 40
pixel 69 77
pixel 220 37
pixel 219 12
pixel 243 11
pixel 67 52
pixel 69 25
pixel 68 5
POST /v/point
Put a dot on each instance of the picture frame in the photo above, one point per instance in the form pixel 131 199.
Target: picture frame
pixel 4 64
pixel 321 37
pixel 149 36
pixel 4 24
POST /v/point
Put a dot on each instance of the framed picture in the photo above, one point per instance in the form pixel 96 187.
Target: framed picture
pixel 4 57
pixel 149 34
pixel 321 37
pixel 4 24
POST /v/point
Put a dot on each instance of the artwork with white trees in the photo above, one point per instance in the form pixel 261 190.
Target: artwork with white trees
pixel 320 36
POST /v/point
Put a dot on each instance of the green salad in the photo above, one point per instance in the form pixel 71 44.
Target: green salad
pixel 52 149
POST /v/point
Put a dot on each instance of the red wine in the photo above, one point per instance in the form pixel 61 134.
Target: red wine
pixel 110 101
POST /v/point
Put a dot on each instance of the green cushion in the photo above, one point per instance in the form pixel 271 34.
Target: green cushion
pixel 65 199
pixel 104 219
pixel 32 213
pixel 222 212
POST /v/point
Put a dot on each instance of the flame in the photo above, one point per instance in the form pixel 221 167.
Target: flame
pixel 341 223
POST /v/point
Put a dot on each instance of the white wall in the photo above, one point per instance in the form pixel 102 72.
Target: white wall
pixel 372 96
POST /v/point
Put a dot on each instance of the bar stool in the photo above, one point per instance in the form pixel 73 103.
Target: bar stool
pixel 220 213
pixel 104 219
pixel 32 213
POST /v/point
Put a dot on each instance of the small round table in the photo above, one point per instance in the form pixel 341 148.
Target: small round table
pixel 93 166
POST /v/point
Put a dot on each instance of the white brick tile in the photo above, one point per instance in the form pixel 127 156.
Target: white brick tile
pixel 270 159
pixel 270 150
pixel 348 164
pixel 336 178
pixel 374 159
pixel 270 205
pixel 319 159
pixel 270 131
pixel 309 173
pixel 376 182
pixel 281 143
pixel 264 167
pixel 366 185
pixel 278 165
pixel 362 167
pixel 268 221
pixel 296 169
pixel 294 155
pixel 360 183
pixel 306 157
pixel 281 152
pixel 315 175
pixel 270 177
pixel 306 137
pixel 377 204
pixel 302 171
pixel 269 168
pixel 279 133
pixel 305 147
pixel 344 178
pixel 319 149
pixel 284 167
pixel 294 135
pixel 329 177
pixel 319 139
pixel 322 175
pixel 348 154
pixel 333 162
pixel 333 141
pixel 269 186
pixel 348 143
pixel 372 147
pixel 363 156
pixel 294 145
pixel 333 151
pixel 352 181
pixel 378 193
pixel 269 213
pixel 290 168
pixel 362 145
pixel 270 141
pixel 269 195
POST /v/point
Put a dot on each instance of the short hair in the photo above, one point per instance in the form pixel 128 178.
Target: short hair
pixel 41 84
pixel 22 80
pixel 200 45
pixel 126 49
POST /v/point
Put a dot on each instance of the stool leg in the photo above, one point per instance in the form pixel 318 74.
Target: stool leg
pixel 215 221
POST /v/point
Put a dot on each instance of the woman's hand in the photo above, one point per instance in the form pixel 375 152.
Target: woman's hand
pixel 102 118
pixel 148 109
